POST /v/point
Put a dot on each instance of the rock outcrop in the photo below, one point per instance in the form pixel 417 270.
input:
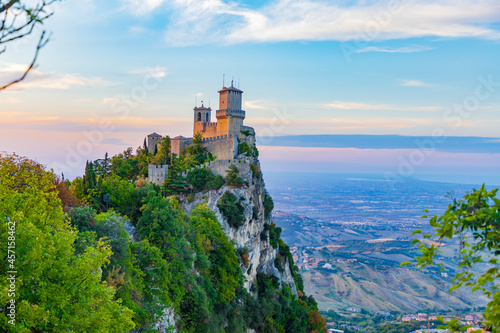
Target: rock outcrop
pixel 252 235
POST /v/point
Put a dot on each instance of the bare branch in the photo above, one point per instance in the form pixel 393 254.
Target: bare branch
pixel 7 6
pixel 41 43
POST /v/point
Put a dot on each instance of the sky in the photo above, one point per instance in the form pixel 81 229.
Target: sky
pixel 117 70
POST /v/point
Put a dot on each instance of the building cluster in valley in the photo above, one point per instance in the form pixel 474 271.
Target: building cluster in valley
pixel 221 138
pixel 306 262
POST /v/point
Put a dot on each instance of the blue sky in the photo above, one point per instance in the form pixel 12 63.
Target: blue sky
pixel 406 67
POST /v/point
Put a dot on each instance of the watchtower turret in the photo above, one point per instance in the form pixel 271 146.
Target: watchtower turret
pixel 230 116
pixel 202 117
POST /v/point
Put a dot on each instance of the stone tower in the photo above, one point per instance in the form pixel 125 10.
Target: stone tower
pixel 230 116
pixel 153 139
pixel 202 121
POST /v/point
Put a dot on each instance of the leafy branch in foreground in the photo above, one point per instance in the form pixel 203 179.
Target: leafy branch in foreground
pixel 474 220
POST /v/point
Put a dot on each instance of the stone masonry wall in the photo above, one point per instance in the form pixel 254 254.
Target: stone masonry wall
pixel 222 147
pixel 157 173
pixel 220 167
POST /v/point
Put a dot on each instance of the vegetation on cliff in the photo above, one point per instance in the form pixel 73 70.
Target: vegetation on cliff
pixel 89 265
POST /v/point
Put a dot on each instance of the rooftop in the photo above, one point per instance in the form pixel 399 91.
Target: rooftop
pixel 154 134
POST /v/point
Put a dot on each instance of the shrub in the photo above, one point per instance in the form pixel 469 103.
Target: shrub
pixel 244 148
pixel 256 173
pixel 274 234
pixel 215 183
pixel 232 177
pixel 255 152
pixel 243 253
pixel 204 179
pixel 268 205
pixel 279 263
pixel 231 209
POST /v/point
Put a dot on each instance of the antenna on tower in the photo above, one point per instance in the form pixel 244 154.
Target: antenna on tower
pixel 232 79
pixel 223 80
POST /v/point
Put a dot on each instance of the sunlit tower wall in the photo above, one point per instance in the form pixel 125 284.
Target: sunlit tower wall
pixel 230 116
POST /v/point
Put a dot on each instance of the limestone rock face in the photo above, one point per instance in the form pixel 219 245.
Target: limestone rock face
pixel 260 252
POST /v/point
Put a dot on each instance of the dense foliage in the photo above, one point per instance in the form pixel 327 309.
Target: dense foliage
pixel 232 177
pixel 475 222
pixel 57 289
pixel 268 205
pixel 232 209
pixel 121 253
pixel 203 179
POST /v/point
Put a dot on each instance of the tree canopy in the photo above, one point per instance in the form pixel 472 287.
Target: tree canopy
pixel 474 221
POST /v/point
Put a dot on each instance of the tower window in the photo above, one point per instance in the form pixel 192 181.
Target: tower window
pixel 206 116
pixel 199 116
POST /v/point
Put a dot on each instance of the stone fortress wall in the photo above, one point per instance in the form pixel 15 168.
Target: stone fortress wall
pixel 220 167
pixel 157 173
pixel 220 138
pixel 223 147
pixel 177 145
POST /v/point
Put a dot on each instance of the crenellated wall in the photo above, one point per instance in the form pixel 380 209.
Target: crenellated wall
pixel 223 146
pixel 220 167
pixel 157 173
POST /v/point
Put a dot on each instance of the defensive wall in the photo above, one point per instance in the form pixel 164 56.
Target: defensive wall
pixel 222 146
pixel 220 167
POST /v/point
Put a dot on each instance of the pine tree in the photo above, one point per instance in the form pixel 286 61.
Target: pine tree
pixel 89 179
pixel 175 183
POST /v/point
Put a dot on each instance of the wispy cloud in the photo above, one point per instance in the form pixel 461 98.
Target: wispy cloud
pixel 217 21
pixel 258 105
pixel 414 83
pixel 364 106
pixel 157 72
pixel 39 79
pixel 405 49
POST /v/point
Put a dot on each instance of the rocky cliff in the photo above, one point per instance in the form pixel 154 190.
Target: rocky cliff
pixel 252 235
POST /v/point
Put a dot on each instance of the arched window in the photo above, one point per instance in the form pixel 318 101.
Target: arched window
pixel 199 116
pixel 206 117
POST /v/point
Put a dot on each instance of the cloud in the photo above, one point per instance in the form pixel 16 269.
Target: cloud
pixel 405 49
pixel 156 72
pixel 363 106
pixel 216 21
pixel 414 83
pixel 258 105
pixel 39 79
pixel 143 6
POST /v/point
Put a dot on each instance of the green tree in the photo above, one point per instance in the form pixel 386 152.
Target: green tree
pixel 232 209
pixel 475 221
pixel 232 177
pixel 203 179
pixel 57 290
pixel 162 155
pixel 162 224
pixel 175 183
pixel 224 269
pixel 195 154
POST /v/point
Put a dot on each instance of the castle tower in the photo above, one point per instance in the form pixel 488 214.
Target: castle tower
pixel 153 139
pixel 202 118
pixel 230 116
